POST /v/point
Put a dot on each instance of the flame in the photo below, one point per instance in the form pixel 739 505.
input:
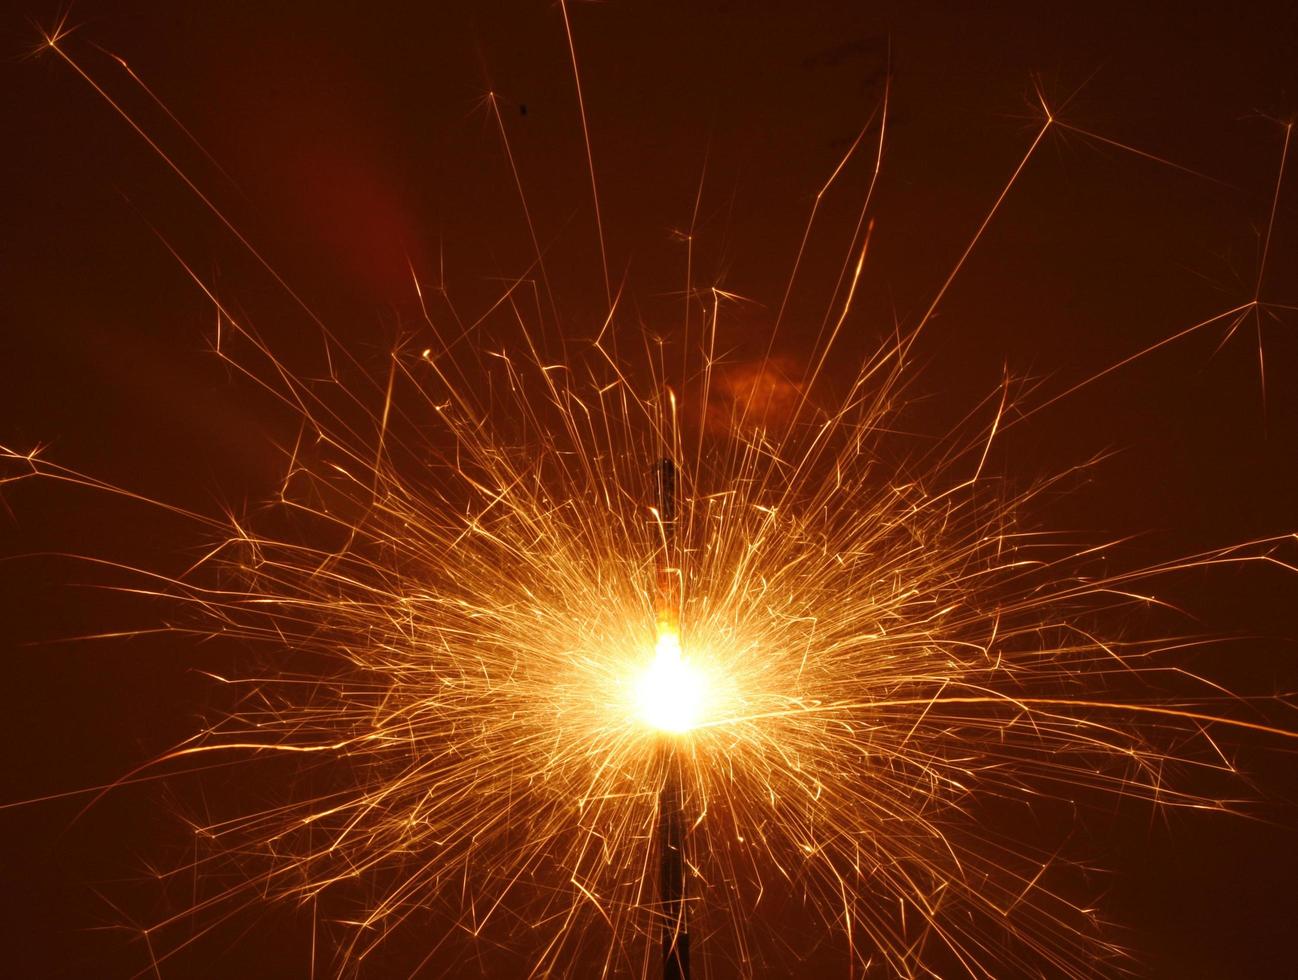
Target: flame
pixel 670 691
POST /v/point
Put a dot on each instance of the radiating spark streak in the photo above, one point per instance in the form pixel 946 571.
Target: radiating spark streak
pixel 825 345
pixel 166 109
pixel 1025 703
pixel 982 227
pixel 101 790
pixel 689 265
pixel 52 41
pixel 881 112
pixel 995 427
pixel 590 157
pixel 1262 260
pixel 1235 311
pixel 522 197
pixel 1144 154
pixel 37 466
pixel 814 454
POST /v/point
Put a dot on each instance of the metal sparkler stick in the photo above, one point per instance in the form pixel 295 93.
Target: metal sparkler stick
pixel 671 820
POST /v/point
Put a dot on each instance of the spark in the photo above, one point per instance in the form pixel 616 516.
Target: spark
pixel 471 673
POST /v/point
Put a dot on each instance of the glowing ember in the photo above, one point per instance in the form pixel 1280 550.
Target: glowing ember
pixel 670 692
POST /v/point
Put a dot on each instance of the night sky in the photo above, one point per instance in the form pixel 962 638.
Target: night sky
pixel 351 146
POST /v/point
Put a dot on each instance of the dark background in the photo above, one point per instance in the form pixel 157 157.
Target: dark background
pixel 354 144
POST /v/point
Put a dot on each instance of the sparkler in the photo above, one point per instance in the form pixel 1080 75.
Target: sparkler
pixel 844 654
pixel 671 697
